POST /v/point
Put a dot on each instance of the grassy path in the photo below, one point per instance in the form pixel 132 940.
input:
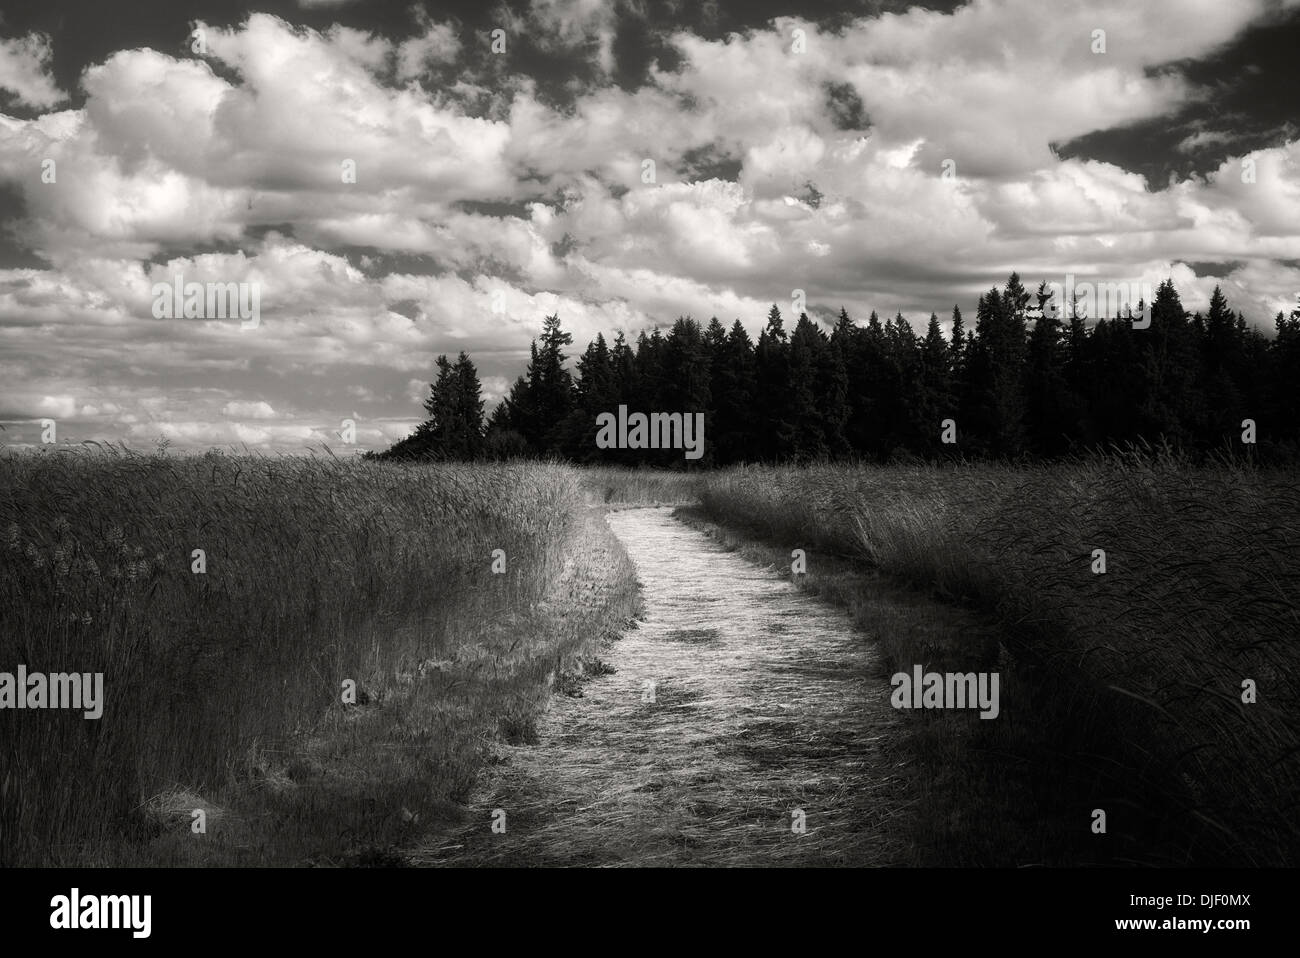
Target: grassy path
pixel 763 704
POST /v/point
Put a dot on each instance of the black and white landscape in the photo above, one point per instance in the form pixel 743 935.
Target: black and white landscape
pixel 567 433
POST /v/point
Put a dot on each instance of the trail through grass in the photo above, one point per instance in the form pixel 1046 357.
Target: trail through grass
pixel 764 705
pixel 1164 690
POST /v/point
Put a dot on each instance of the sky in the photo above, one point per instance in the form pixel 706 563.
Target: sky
pixel 395 185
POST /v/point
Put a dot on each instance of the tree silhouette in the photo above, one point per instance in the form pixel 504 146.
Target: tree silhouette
pixel 454 429
pixel 880 390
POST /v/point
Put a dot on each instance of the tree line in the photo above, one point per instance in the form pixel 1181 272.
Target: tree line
pixel 1029 379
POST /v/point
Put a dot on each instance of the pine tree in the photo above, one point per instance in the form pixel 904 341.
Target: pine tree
pixel 1050 413
pixel 550 389
pixel 468 410
pixel 848 344
pixel 995 401
pixel 903 409
pixel 1283 403
pixel 650 371
pixel 1113 385
pixel 958 344
pixel 454 427
pixel 832 393
pixel 772 370
pixel 594 393
pixel 501 440
pixel 809 440
pixel 441 407
pixel 686 369
pixel 714 337
pixel 880 388
pixel 732 389
pixel 623 366
pixel 935 399
pixel 1222 354
pixel 1168 407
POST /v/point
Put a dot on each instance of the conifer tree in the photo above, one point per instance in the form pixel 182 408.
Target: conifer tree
pixel 732 430
pixel 1049 411
pixel 848 344
pixel 772 372
pixel 935 398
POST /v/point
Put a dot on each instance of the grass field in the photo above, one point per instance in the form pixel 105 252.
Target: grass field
pixel 1121 691
pixel 615 487
pixel 225 689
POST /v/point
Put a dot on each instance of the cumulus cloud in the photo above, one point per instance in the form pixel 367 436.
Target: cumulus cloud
pixel 462 227
pixel 438 44
pixel 25 71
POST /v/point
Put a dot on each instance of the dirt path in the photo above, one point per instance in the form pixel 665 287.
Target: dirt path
pixel 763 704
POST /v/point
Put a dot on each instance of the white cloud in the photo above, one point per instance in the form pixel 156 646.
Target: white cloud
pixel 248 410
pixel 438 44
pixel 57 407
pixel 25 71
pixel 170 155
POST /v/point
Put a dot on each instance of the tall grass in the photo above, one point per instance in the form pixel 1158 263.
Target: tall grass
pixel 318 571
pixel 621 486
pixel 1128 684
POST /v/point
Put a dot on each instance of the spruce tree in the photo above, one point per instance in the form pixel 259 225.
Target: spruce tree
pixel 594 393
pixel 550 389
pixel 1050 415
pixel 732 389
pixel 805 417
pixel 772 370
pixel 467 441
pixel 1222 354
pixel 995 401
pixel 847 342
pixel 905 417
pixel 935 398
pixel 958 344
pixel 454 427
pixel 686 371
pixel 1169 406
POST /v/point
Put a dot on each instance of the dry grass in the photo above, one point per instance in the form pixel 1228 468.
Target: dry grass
pixel 763 705
pixel 1124 690
pixel 223 690
pixel 620 486
pixel 1120 691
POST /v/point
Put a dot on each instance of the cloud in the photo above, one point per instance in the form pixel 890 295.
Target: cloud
pixel 438 44
pixel 1195 141
pixel 165 152
pixel 248 410
pixel 568 23
pixel 25 71
pixel 466 225
pixel 57 407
